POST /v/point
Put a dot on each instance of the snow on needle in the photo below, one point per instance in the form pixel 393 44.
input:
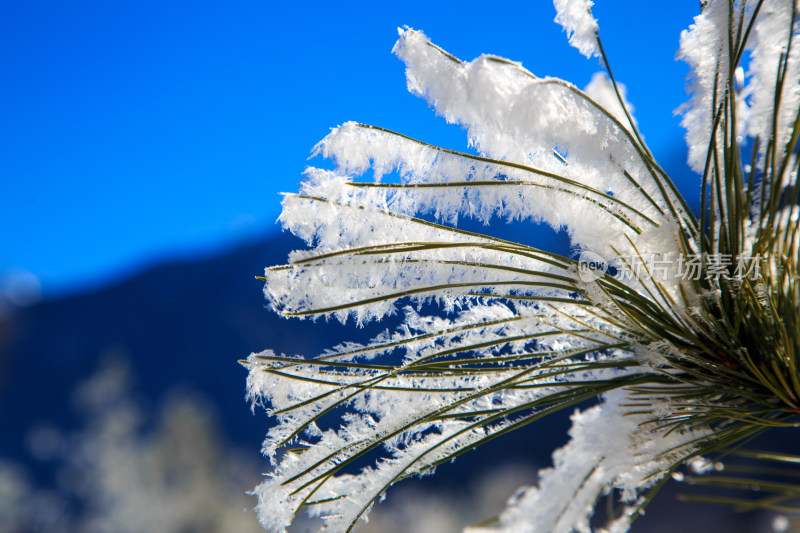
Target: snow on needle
pixel 685 325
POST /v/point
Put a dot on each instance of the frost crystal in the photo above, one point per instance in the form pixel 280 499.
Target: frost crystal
pixel 662 316
pixel 575 16
pixel 601 90
pixel 704 46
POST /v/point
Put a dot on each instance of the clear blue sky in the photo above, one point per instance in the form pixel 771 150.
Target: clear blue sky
pixel 131 132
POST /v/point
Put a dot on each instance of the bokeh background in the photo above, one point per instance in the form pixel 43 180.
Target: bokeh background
pixel 143 147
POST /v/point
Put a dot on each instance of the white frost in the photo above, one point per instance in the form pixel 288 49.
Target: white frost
pixel 575 16
pixel 768 43
pixel 609 449
pixel 601 90
pixel 517 327
pixel 704 46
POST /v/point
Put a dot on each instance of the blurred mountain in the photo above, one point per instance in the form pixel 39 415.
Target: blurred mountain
pixel 183 323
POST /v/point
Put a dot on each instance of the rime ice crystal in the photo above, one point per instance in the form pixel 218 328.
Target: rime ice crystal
pixel 575 16
pixel 518 331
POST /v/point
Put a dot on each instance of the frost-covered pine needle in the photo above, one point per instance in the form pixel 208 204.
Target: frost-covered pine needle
pixel 575 16
pixel 690 339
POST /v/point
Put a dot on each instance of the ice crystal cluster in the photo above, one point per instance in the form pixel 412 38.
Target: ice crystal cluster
pixel 497 334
